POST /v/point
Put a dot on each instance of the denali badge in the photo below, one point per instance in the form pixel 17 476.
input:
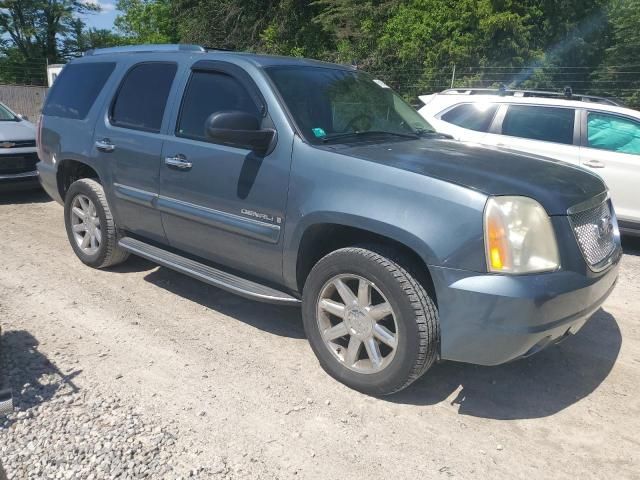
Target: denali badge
pixel 261 216
pixel 7 144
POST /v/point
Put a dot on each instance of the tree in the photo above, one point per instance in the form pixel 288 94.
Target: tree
pixel 147 21
pixel 36 28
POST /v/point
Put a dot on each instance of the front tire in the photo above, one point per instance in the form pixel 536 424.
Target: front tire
pixel 91 229
pixel 371 324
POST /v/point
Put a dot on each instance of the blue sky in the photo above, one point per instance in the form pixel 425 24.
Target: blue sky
pixel 104 18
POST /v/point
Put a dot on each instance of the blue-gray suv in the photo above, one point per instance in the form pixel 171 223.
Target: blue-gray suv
pixel 294 181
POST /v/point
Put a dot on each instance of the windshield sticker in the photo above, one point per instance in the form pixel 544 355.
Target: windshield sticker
pixel 319 132
pixel 381 83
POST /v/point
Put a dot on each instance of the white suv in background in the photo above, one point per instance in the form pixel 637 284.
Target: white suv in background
pixel 592 132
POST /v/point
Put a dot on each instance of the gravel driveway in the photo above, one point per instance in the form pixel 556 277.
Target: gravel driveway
pixel 139 372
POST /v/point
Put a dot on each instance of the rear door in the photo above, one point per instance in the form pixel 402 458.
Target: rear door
pixel 548 131
pixel 223 203
pixel 611 148
pixel 128 137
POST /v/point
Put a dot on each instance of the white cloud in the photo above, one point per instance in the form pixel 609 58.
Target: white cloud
pixel 105 7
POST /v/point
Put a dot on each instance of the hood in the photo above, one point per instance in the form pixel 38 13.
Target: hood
pixel 493 171
pixel 22 130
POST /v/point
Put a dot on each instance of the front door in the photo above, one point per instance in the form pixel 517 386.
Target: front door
pixel 611 148
pixel 128 138
pixel 222 203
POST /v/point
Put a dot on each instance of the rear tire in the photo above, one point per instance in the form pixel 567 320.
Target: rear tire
pixel 384 305
pixel 91 229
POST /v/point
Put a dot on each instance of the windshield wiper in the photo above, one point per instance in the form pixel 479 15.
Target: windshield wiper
pixel 339 136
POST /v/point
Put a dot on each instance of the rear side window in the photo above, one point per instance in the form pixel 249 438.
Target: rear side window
pixel 473 116
pixel 208 93
pixel 76 89
pixel 613 133
pixel 142 96
pixel 549 124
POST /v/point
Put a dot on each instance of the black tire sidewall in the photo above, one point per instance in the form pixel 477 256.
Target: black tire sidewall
pixel 97 259
pixel 396 374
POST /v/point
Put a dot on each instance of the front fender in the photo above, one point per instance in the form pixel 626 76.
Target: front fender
pixel 440 221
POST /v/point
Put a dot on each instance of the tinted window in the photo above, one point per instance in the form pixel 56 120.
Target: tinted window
pixel 208 93
pixel 613 133
pixel 76 89
pixel 142 96
pixel 540 123
pixel 474 116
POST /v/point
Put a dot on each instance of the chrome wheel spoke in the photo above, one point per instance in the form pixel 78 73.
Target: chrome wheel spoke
pixel 332 307
pixel 345 292
pixel 85 240
pixel 364 293
pixel 337 331
pixel 353 351
pixel 373 351
pixel 380 311
pixel 383 334
pixel 98 235
pixel 78 212
pixel 79 227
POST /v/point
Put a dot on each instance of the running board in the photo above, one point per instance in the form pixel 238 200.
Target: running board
pixel 207 274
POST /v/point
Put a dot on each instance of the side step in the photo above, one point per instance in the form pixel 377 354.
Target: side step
pixel 207 274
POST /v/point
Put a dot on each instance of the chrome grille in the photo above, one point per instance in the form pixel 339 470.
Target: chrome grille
pixel 595 231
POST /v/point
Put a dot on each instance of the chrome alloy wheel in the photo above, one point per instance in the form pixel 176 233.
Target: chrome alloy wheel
pixel 357 323
pixel 85 224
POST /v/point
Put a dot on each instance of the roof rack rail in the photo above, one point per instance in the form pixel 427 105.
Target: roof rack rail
pixel 168 47
pixel 505 92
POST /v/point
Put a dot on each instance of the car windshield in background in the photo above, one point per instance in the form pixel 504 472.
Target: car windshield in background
pixel 6 115
pixel 333 105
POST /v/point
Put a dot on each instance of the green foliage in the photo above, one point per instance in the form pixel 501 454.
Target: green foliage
pixel 147 21
pixel 413 45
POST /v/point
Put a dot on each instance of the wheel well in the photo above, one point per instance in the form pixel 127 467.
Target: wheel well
pixel 71 170
pixel 319 240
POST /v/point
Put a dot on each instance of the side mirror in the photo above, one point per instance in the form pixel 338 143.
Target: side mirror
pixel 241 130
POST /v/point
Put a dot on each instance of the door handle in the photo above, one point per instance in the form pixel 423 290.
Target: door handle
pixel 105 145
pixel 594 164
pixel 178 161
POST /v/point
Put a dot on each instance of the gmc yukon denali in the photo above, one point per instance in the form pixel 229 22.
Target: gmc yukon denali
pixel 299 182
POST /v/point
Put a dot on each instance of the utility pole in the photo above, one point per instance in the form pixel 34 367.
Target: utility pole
pixel 453 75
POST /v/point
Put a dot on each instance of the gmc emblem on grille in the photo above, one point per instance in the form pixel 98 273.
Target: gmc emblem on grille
pixel 7 144
pixel 605 226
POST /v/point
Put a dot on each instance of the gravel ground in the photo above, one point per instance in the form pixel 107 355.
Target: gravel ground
pixel 139 372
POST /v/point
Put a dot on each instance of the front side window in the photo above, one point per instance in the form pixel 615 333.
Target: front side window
pixel 76 89
pixel 6 115
pixel 613 133
pixel 334 104
pixel 208 93
pixel 472 116
pixel 549 124
pixel 142 96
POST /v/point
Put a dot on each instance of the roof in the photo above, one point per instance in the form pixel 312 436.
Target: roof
pixel 259 60
pixel 444 100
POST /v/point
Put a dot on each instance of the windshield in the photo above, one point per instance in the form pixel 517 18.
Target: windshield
pixel 330 104
pixel 6 114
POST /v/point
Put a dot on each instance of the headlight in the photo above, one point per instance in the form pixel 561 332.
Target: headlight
pixel 518 236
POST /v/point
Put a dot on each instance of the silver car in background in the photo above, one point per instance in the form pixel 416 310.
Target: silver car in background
pixel 18 154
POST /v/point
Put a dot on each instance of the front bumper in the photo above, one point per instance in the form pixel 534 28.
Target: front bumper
pixel 19 181
pixel 491 319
